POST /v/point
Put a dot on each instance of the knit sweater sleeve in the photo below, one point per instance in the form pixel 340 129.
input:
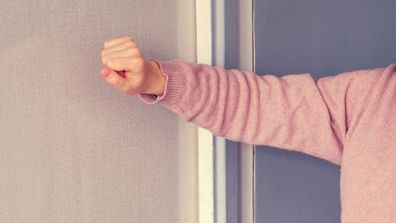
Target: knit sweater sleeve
pixel 293 112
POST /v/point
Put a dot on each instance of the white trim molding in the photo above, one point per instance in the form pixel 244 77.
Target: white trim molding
pixel 205 138
pixel 219 178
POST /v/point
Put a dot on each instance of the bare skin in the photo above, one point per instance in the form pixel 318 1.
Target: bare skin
pixel 126 70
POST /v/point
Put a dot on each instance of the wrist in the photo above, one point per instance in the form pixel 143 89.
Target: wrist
pixel 155 79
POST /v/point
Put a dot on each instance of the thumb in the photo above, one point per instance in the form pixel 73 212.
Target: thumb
pixel 114 79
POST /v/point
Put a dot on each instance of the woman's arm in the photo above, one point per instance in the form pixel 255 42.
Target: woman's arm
pixel 294 112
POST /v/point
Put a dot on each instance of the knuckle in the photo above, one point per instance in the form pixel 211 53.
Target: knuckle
pixel 131 51
pixel 107 43
pixel 129 44
pixel 130 39
pixel 138 60
pixel 135 63
pixel 104 59
pixel 110 63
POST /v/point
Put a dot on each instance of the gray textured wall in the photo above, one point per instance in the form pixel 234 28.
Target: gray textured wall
pixel 72 148
pixel 323 38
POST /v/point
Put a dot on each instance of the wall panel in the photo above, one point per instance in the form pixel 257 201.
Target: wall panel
pixel 72 148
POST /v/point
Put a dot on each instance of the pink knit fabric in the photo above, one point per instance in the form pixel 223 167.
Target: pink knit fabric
pixel 348 119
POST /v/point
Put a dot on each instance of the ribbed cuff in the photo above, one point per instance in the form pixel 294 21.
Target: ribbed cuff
pixel 175 84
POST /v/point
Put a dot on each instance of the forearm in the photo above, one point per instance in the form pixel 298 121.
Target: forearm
pixel 287 112
pixel 292 112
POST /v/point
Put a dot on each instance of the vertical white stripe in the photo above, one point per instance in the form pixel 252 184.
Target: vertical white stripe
pixel 204 31
pixel 205 138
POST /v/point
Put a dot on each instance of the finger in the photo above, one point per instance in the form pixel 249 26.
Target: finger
pixel 105 71
pixel 123 63
pixel 116 41
pixel 120 46
pixel 115 80
pixel 130 52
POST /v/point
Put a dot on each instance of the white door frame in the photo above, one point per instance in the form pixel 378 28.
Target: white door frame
pixel 212 170
pixel 205 138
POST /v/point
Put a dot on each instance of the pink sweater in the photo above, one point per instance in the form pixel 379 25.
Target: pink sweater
pixel 348 119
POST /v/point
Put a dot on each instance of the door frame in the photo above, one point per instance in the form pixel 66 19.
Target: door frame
pixel 225 168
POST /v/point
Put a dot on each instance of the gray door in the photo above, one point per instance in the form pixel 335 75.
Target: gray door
pixel 323 38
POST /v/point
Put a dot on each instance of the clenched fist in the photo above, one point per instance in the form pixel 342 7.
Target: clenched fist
pixel 126 70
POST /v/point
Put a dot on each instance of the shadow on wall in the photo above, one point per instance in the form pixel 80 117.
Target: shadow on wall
pixel 72 147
